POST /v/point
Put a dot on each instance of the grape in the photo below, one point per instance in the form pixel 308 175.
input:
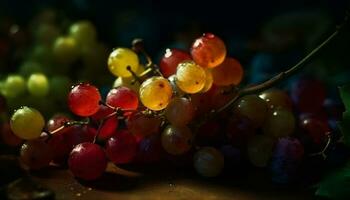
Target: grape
pixel 29 67
pixel 180 111
pixel 259 150
pixel 314 132
pixel 149 150
pixel 208 50
pixel 201 103
pixel 102 112
pixel 122 97
pixel 46 33
pixel 208 162
pixel 119 61
pixel 87 161
pixel 232 156
pixel 60 147
pixel 127 82
pixel 77 134
pixel 280 122
pixel 14 86
pixel 277 98
pixel 59 87
pixel 229 72
pixel 208 80
pixel 8 137
pixel 121 148
pixel 252 107
pixel 155 93
pixel 176 140
pixel 239 130
pixel 190 77
pixel 27 123
pixel 83 99
pixel 286 159
pixel 140 124
pixel 220 95
pixel 108 128
pixel 56 122
pixel 65 50
pixel 171 59
pixel 308 95
pixel 38 85
pixel 83 32
pixel 36 154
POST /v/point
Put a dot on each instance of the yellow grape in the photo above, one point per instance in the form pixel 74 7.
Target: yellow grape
pixel 65 50
pixel 155 93
pixel 120 59
pixel 27 123
pixel 208 80
pixel 190 77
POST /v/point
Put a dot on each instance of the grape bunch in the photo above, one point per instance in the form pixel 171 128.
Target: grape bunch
pixel 46 57
pixel 188 105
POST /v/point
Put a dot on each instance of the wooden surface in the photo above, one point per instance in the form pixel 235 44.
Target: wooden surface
pixel 164 185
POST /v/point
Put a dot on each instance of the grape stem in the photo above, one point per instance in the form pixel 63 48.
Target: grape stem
pixel 65 125
pixel 322 153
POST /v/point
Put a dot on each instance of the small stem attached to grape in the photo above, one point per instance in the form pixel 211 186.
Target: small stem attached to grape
pixel 322 153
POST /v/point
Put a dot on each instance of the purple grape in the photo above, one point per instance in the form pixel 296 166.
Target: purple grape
pixel 285 160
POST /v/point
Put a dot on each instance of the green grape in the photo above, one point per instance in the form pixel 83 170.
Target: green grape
pixel 259 150
pixel 190 77
pixel 38 85
pixel 208 162
pixel 46 33
pixel 29 67
pixel 65 50
pixel 155 93
pixel 252 107
pixel 13 86
pixel 277 98
pixel 280 122
pixel 59 87
pixel 208 80
pixel 27 123
pixel 119 61
pixel 84 32
pixel 176 140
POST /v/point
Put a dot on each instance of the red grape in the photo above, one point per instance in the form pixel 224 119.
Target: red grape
pixel 143 125
pixel 108 128
pixel 36 154
pixel 87 161
pixel 229 72
pixel 83 99
pixel 56 122
pixel 308 95
pixel 314 128
pixel 171 59
pixel 180 111
pixel 102 112
pixel 122 147
pixel 123 97
pixel 208 50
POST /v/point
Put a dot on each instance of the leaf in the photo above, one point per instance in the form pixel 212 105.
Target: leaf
pixel 345 95
pixel 336 185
